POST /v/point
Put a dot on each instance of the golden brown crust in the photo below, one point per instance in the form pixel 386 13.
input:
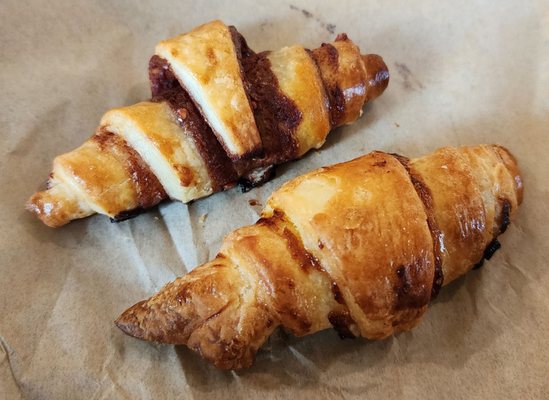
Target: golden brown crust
pixel 58 205
pixel 211 310
pixel 351 207
pixel 272 252
pixel 95 173
pixel 424 193
pixel 512 167
pixel 344 76
pixel 460 213
pixel 355 245
pixel 469 218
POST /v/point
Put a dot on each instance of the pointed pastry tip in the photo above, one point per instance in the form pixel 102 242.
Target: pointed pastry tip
pixel 511 164
pixel 128 321
pixel 377 75
pixel 57 206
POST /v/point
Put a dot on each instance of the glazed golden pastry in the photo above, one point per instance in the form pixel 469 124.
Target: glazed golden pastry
pixel 220 114
pixel 361 246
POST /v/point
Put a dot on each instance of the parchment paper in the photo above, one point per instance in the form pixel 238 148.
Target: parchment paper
pixel 462 73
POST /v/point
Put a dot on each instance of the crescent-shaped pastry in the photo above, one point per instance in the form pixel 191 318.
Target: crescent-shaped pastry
pixel 361 246
pixel 220 114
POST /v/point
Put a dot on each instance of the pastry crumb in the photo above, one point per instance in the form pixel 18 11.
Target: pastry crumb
pixel 202 218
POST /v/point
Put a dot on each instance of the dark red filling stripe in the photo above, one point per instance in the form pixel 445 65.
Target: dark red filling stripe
pixel 276 115
pixel 166 87
pixel 326 59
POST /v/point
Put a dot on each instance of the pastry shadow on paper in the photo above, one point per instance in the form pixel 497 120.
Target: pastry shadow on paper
pixel 69 236
pixel 284 360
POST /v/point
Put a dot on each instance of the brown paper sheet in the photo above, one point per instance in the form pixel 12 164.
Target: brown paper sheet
pixel 462 73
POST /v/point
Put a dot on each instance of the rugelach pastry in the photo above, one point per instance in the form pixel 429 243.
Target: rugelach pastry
pixel 361 246
pixel 220 114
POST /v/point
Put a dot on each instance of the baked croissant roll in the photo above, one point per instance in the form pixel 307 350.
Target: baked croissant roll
pixel 219 114
pixel 361 246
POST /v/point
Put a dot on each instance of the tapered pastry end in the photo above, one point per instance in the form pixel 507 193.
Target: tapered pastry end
pixel 377 75
pixel 213 337
pixel 156 319
pixel 57 206
pixel 206 311
pixel 128 321
pixel 511 164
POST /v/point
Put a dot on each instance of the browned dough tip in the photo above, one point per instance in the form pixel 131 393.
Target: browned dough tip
pixel 510 163
pixel 377 75
pixel 128 322
pixel 50 213
pixel 149 321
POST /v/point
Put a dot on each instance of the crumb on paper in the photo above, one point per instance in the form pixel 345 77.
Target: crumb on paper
pixel 397 125
pixel 254 202
pixel 202 218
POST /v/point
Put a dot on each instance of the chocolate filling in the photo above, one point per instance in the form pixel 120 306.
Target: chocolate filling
pixel 503 221
pixel 489 251
pixel 278 222
pixel 326 58
pixel 129 214
pixel 341 321
pixel 337 293
pixel 256 177
pixel 340 318
pixel 505 217
pixel 166 87
pixel 277 118
pixel 409 294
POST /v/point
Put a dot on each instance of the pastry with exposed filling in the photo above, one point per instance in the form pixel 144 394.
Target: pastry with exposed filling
pixel 220 114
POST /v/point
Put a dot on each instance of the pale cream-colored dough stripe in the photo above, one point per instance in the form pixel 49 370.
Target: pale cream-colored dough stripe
pixel 205 63
pixel 299 80
pixel 153 131
pixel 96 178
